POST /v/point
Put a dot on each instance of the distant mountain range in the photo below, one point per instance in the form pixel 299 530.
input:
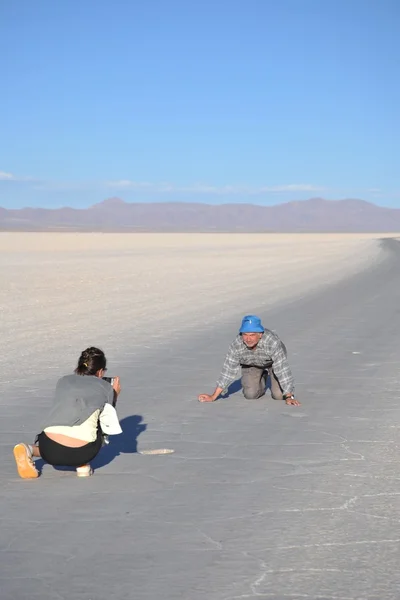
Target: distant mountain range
pixel 115 215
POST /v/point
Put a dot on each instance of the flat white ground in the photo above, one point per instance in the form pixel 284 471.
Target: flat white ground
pixel 61 292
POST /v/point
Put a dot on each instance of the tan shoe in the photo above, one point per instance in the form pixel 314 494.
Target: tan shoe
pixel 85 471
pixel 25 465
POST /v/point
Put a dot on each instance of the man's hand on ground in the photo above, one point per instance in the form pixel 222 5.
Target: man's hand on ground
pixel 293 402
pixel 206 398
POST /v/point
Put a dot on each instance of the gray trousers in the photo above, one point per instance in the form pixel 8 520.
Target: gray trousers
pixel 254 380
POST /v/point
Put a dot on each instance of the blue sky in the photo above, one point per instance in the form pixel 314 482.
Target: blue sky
pixel 216 101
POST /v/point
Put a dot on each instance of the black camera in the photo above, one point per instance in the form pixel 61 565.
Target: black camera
pixel 109 379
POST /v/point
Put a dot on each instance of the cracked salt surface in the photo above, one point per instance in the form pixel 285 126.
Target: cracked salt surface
pixel 253 504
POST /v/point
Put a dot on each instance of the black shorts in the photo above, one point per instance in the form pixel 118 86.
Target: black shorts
pixel 63 456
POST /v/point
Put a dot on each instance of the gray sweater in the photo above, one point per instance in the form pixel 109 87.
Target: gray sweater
pixel 76 398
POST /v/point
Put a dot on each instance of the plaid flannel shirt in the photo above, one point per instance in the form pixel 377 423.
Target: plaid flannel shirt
pixel 269 352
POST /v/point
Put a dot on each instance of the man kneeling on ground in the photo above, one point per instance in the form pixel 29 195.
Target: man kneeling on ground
pixel 259 352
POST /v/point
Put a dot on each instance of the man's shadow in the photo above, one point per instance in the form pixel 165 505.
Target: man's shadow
pixel 124 443
pixel 236 386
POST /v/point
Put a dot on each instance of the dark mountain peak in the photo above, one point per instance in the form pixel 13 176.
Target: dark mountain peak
pixel 110 203
pixel 316 200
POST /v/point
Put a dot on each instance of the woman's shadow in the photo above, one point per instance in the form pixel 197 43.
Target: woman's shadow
pixel 124 443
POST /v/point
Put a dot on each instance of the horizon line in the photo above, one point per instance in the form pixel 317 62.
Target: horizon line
pixel 186 202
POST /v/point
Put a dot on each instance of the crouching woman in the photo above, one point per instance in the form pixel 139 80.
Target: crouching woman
pixel 72 436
